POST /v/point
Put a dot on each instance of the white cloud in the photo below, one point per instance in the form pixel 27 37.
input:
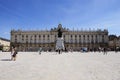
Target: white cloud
pixel 6 33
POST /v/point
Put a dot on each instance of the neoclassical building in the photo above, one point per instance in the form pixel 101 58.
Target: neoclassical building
pixel 75 40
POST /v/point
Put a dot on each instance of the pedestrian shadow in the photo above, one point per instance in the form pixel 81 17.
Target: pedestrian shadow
pixel 5 59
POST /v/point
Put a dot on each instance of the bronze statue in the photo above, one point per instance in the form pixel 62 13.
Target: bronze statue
pixel 59 33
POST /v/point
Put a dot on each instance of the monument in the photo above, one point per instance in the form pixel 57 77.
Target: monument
pixel 60 41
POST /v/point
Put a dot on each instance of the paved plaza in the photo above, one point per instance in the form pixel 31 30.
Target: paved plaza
pixel 65 66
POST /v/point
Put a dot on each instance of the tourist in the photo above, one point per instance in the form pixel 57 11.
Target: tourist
pixel 40 50
pixel 99 49
pixel 105 51
pixel 59 51
pixel 13 53
pixel 66 49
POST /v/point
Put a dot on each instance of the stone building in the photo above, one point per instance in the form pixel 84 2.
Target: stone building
pixel 114 42
pixel 75 40
pixel 4 44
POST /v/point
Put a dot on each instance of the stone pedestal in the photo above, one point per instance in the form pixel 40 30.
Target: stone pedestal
pixel 60 44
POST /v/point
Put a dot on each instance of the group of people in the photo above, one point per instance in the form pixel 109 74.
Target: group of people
pixel 14 52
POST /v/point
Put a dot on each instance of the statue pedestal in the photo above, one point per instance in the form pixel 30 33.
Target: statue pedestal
pixel 60 44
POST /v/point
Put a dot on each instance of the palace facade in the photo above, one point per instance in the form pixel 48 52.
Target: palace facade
pixel 75 40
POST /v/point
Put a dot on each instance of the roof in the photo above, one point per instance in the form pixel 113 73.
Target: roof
pixel 4 39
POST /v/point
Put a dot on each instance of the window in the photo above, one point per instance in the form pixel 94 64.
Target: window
pixel 43 36
pixel 48 36
pixel 83 38
pixel 15 36
pixel 96 39
pixel 22 36
pixel 92 37
pixel 39 36
pixel 79 38
pixel 83 35
pixel 15 40
pixel 103 38
pixel 71 37
pixel 26 36
pixel 88 38
pixel 75 36
pixel 55 36
pixel 79 35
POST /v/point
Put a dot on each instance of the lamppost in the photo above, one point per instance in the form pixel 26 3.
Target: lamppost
pixel 115 44
pixel 30 42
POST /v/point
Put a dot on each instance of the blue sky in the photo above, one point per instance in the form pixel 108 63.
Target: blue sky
pixel 47 14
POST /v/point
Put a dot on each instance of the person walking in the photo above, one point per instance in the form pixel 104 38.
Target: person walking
pixel 59 51
pixel 13 54
pixel 40 50
pixel 105 51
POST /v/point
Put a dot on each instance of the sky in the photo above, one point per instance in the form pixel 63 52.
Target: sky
pixel 47 14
